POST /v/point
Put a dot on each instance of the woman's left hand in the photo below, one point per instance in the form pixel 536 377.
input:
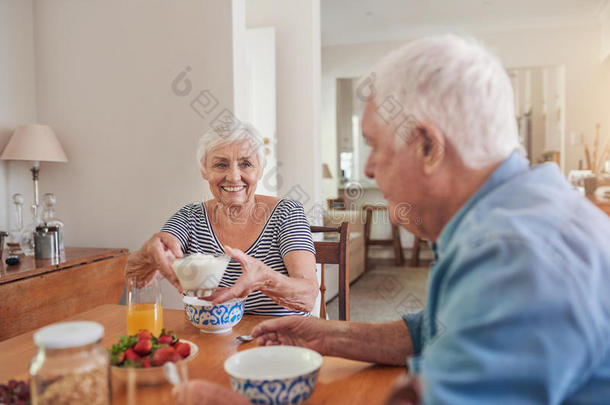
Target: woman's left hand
pixel 252 278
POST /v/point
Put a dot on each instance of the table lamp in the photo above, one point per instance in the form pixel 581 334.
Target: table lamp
pixel 37 143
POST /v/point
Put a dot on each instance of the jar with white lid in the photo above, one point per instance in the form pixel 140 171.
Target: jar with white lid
pixel 71 366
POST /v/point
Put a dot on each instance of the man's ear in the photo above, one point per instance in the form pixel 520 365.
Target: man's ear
pixel 430 146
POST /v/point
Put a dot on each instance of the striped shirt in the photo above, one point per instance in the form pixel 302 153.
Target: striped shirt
pixel 286 230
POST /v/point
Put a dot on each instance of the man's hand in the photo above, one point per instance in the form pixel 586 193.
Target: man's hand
pixel 295 330
pixel 406 391
pixel 383 343
pixel 205 393
pixel 154 255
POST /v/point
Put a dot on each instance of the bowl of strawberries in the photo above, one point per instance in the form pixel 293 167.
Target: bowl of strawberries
pixel 147 354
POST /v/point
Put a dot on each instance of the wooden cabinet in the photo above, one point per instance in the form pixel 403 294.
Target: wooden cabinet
pixel 35 293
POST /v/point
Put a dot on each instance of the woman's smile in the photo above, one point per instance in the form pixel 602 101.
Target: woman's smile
pixel 233 189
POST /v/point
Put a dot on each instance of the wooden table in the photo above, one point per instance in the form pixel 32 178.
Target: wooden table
pixel 37 292
pixel 340 381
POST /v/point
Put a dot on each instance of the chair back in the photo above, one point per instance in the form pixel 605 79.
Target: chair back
pixel 333 252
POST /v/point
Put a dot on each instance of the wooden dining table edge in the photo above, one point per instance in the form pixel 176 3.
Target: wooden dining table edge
pixel 339 373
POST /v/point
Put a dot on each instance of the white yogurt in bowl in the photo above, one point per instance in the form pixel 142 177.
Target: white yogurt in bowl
pixel 200 272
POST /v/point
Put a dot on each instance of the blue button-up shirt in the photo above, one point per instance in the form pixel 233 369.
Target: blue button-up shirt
pixel 518 307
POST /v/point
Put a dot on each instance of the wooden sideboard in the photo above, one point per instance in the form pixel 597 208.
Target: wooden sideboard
pixel 35 293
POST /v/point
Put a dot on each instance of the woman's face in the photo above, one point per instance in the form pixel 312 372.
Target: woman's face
pixel 232 170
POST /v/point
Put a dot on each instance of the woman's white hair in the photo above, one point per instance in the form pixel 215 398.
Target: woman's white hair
pixel 216 137
pixel 455 84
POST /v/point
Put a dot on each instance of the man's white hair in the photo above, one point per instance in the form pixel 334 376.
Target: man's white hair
pixel 455 84
pixel 216 137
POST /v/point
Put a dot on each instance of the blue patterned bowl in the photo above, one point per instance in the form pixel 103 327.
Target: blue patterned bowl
pixel 214 318
pixel 274 375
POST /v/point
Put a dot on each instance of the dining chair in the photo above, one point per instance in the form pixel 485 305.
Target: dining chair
pixel 417 243
pixel 334 252
pixel 394 241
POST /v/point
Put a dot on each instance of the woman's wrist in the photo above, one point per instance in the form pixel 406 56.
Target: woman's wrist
pixel 265 278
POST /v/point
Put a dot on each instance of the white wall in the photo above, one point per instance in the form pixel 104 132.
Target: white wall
pixel 104 73
pixel 297 27
pixel 587 80
pixel 17 93
pixel 347 61
pixel 342 61
pixel 261 95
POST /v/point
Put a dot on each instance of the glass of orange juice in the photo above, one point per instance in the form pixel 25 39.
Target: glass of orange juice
pixel 144 309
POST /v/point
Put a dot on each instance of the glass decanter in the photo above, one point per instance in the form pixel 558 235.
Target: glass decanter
pixel 15 233
pixel 26 241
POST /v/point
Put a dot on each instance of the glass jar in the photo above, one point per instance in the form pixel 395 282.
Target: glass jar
pixel 71 366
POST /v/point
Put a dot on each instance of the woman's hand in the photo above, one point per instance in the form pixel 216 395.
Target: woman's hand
pixel 297 291
pixel 154 255
pixel 295 330
pixel 251 279
pixel 205 393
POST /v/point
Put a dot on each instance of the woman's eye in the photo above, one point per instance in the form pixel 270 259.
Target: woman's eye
pixel 220 165
pixel 246 164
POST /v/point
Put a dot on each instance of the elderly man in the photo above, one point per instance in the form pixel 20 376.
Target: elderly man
pixel 518 309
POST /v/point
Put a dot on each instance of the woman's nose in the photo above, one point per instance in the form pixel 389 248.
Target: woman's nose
pixel 234 174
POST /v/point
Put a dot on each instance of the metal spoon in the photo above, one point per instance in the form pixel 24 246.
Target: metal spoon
pixel 245 338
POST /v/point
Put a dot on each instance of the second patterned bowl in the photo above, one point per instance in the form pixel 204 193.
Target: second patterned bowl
pixel 213 318
pixel 274 375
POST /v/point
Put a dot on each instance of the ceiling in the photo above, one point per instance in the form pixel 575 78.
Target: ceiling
pixel 356 21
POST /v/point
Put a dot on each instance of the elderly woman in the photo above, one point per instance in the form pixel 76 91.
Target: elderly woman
pixel 268 238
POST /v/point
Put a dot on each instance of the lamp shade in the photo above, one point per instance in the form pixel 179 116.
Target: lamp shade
pixel 35 143
pixel 326 172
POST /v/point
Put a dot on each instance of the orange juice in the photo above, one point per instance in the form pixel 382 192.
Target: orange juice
pixel 145 316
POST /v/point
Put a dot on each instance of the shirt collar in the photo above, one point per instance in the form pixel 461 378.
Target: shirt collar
pixel 514 164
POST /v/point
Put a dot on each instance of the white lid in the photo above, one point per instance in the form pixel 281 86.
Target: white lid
pixel 64 335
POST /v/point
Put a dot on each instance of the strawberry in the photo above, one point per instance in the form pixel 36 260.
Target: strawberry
pixel 146 362
pixel 130 354
pixel 143 347
pixel 165 354
pixel 143 334
pixel 183 349
pixel 165 339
